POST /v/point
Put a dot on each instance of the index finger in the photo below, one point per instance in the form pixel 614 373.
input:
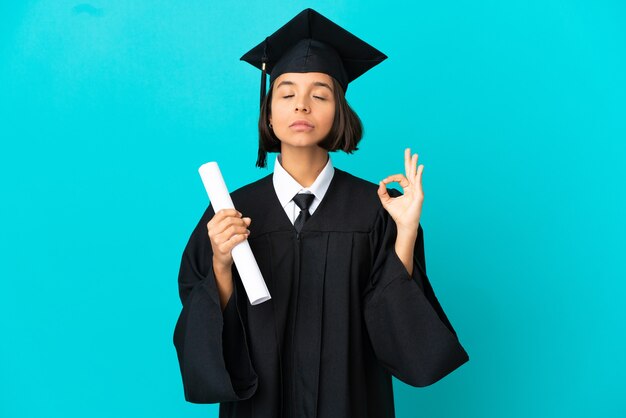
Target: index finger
pixel 397 178
pixel 224 213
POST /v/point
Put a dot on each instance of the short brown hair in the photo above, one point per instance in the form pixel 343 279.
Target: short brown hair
pixel 344 135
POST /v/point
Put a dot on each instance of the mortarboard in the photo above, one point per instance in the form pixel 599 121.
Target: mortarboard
pixel 312 43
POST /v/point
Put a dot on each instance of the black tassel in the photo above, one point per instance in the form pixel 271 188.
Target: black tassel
pixel 261 160
pixel 264 72
pixel 263 81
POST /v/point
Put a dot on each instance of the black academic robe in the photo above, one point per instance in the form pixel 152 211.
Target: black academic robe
pixel 344 317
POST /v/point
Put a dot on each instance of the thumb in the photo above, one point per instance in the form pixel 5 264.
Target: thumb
pixel 383 194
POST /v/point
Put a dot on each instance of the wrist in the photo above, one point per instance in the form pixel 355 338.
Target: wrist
pixel 220 268
pixel 407 232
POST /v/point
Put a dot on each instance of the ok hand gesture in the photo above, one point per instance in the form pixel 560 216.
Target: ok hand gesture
pixel 406 209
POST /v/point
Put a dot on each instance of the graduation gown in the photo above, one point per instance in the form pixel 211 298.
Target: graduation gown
pixel 344 317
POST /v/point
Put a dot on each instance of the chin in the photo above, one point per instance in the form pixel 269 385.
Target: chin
pixel 301 142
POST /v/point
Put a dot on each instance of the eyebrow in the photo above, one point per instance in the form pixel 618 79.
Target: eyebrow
pixel 316 84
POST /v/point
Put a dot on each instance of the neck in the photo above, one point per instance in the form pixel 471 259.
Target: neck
pixel 304 164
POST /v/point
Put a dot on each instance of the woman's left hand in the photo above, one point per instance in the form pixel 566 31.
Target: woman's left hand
pixel 406 209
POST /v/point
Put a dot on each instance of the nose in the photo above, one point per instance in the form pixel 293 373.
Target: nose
pixel 302 106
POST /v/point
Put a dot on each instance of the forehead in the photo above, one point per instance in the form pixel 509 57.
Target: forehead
pixel 304 79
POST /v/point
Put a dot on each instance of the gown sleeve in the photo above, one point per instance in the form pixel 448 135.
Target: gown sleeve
pixel 409 331
pixel 211 345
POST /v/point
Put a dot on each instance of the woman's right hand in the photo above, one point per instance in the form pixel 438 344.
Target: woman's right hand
pixel 226 229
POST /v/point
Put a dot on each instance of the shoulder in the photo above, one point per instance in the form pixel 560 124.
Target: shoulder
pixel 246 195
pixel 360 206
pixel 360 190
pixel 356 185
pixel 243 197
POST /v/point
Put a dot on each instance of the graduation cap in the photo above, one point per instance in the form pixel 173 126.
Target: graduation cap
pixel 312 43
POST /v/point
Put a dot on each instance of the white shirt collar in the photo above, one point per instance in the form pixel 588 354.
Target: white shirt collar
pixel 287 187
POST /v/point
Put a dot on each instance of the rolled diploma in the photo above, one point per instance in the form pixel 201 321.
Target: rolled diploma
pixel 242 253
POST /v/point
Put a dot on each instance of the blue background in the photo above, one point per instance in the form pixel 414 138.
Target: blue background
pixel 516 108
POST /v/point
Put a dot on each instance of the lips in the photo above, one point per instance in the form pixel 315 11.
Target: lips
pixel 301 124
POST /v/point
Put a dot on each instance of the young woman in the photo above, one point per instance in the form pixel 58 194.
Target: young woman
pixel 343 258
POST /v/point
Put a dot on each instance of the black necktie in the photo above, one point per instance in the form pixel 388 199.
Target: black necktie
pixel 303 201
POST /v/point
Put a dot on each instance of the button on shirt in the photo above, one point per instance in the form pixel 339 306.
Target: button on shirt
pixel 287 187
